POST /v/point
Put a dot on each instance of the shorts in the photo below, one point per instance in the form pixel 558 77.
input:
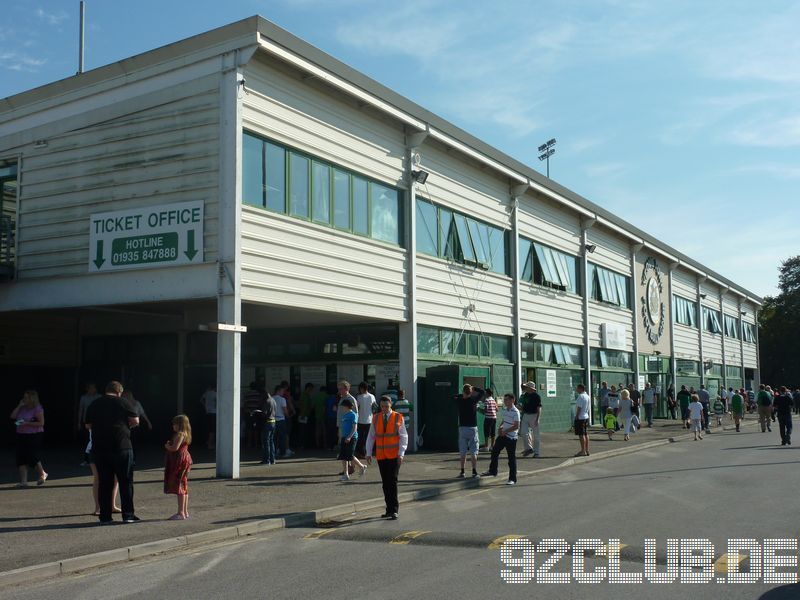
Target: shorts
pixel 737 414
pixel 467 440
pixel 489 428
pixel 581 427
pixel 697 425
pixel 346 449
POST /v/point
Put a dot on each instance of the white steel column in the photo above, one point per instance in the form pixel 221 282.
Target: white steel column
pixel 408 330
pixel 757 378
pixel 635 306
pixel 741 341
pixel 517 192
pixel 229 298
pixel 673 363
pixel 586 224
pixel 701 328
pixel 724 358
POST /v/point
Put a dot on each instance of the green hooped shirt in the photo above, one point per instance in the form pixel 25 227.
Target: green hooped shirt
pixel 736 403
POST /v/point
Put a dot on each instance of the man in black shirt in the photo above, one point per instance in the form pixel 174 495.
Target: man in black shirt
pixel 531 404
pixel 109 418
pixel 783 406
pixel 468 426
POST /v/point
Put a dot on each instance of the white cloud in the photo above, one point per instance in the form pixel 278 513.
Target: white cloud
pixel 20 62
pixel 52 18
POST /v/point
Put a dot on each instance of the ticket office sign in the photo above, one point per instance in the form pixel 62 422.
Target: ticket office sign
pixel 154 236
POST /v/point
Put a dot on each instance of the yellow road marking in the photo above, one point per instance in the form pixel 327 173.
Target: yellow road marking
pixel 405 538
pixel 497 542
pixel 315 535
pixel 721 566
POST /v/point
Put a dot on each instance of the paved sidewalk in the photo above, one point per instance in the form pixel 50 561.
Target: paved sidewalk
pixel 52 522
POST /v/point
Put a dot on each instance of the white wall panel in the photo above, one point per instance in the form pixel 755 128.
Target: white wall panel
pixel 684 284
pixel 291 262
pixel 543 221
pixel 153 155
pixel 284 108
pixel 445 290
pixel 462 187
pixel 712 347
pixel 687 342
pixel 600 313
pixel 612 251
pixel 552 316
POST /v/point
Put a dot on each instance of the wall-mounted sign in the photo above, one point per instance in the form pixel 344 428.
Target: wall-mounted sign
pixel 653 308
pixel 551 383
pixel 615 336
pixel 155 236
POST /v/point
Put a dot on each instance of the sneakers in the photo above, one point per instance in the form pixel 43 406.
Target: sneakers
pixel 42 479
pixel 344 477
pixel 109 522
pixel 362 471
pixel 527 453
pixel 393 517
pixel 475 475
pixel 461 475
pixel 288 454
pixel 510 482
pixel 488 474
pixel 131 519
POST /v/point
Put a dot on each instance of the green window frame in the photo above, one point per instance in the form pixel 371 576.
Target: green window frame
pixel 454 236
pixel 611 359
pixel 685 311
pixel 467 345
pixel 711 321
pixel 731 326
pixel 560 355
pixel 609 286
pixel 548 267
pixel 287 181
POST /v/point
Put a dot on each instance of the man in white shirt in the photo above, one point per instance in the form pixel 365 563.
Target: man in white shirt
pixel 366 407
pixel 506 438
pixel 649 401
pixel 282 412
pixel 582 406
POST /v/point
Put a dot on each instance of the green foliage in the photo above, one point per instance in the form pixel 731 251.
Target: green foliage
pixel 779 329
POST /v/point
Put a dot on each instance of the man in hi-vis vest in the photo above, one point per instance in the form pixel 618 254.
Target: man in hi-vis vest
pixel 389 436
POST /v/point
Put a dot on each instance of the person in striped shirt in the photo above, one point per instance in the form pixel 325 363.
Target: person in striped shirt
pixel 489 410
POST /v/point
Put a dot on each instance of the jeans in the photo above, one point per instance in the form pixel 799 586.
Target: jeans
pixel 120 465
pixel 390 469
pixel 530 428
pixel 510 446
pixel 361 445
pixel 280 436
pixel 648 414
pixel 785 427
pixel 706 424
pixel 268 442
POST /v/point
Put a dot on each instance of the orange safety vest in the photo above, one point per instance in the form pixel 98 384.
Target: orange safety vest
pixel 387 440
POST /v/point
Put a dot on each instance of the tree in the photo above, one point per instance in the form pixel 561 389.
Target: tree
pixel 779 329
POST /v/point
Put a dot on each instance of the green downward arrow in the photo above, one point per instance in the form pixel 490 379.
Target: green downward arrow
pixel 99 260
pixel 190 249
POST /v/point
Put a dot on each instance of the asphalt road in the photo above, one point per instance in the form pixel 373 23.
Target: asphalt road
pixel 726 486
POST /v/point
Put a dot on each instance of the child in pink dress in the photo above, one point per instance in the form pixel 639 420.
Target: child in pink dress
pixel 177 464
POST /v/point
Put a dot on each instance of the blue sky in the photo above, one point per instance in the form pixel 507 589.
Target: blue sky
pixel 681 117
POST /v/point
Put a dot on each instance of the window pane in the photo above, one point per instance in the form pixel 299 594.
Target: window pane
pixel 525 260
pixel 497 250
pixel 427 340
pixel 427 228
pixel 481 256
pixel 252 170
pixel 385 214
pixel 448 243
pixel 501 347
pixel 461 343
pixel 321 207
pixel 360 206
pixel 483 346
pixel 562 266
pixel 546 266
pixel 299 185
pixel 276 177
pixel 594 283
pixel 572 267
pixel 622 289
pixel 448 342
pixel 463 238
pixel 341 199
